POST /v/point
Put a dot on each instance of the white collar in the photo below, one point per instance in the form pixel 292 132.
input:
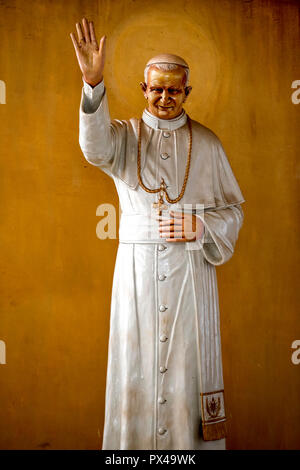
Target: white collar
pixel 168 124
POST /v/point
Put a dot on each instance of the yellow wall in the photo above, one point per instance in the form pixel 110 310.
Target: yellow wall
pixel 56 275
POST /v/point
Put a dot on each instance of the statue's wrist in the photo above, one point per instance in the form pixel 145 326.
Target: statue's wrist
pixel 93 82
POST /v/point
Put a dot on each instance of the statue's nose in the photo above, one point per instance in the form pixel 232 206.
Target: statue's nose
pixel 164 97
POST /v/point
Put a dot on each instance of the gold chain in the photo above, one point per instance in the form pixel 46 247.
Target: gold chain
pixel 163 186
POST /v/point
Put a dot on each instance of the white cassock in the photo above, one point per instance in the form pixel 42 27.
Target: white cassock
pixel 164 386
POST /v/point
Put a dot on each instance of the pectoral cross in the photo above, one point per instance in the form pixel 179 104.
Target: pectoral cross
pixel 159 205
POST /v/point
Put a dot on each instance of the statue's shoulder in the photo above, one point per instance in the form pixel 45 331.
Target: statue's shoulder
pixel 132 125
pixel 204 132
pixel 133 122
pixel 129 126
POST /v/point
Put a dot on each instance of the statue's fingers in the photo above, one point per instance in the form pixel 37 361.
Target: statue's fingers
pixel 86 30
pixel 177 234
pixel 183 239
pixel 79 32
pixel 102 47
pixel 169 222
pixel 92 34
pixel 162 220
pixel 170 230
pixel 177 215
pixel 165 234
pixel 176 227
pixel 165 221
pixel 75 43
pixel 175 240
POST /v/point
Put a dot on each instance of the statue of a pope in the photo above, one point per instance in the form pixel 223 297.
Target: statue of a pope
pixel 181 217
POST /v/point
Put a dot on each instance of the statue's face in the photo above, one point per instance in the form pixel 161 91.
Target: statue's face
pixel 166 92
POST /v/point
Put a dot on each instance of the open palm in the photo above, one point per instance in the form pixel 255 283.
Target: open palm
pixel 90 55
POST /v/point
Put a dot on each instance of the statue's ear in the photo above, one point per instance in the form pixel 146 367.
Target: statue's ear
pixel 143 87
pixel 187 91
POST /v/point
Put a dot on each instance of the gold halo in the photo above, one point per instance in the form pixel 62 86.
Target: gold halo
pixel 141 36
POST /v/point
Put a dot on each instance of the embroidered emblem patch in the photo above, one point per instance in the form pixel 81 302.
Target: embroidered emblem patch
pixel 213 409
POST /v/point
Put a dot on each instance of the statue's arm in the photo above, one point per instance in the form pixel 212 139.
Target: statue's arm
pixel 223 223
pixel 99 138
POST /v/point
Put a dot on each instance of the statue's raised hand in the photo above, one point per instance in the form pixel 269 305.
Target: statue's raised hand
pixel 90 55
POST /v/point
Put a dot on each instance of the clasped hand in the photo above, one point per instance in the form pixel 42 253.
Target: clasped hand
pixel 182 227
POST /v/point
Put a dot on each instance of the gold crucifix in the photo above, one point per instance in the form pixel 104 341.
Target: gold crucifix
pixel 159 205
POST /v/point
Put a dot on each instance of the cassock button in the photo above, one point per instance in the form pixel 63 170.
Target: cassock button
pixel 162 369
pixel 162 277
pixel 163 338
pixel 162 431
pixel 164 156
pixel 166 134
pixel 161 400
pixel 162 308
pixel 161 247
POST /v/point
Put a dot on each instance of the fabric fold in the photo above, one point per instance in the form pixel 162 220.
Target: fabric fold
pixel 222 229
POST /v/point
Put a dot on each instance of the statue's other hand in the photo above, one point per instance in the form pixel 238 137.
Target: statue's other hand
pixel 90 55
pixel 182 227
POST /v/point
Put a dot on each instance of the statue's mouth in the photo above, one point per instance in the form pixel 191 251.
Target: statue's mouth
pixel 165 107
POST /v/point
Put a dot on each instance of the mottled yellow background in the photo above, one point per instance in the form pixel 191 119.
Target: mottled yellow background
pixel 56 275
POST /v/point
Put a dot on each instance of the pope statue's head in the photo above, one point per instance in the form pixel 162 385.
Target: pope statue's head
pixel 166 85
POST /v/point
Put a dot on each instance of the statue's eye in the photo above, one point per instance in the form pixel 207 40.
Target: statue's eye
pixel 173 91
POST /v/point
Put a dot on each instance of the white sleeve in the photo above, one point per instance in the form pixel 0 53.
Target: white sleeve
pixel 102 140
pixel 221 233
pixel 92 96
